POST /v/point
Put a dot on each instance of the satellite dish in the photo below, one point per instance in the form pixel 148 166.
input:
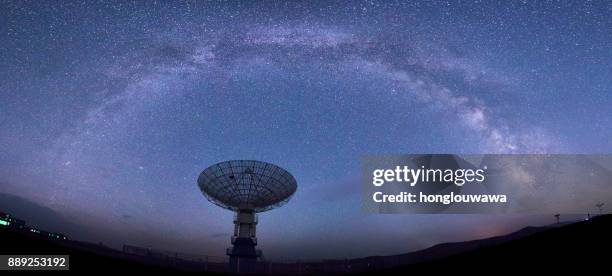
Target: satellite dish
pixel 599 206
pixel 246 187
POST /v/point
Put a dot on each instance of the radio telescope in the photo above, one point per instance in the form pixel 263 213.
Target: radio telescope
pixel 246 187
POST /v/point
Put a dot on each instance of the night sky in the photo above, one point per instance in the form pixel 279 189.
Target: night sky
pixel 110 110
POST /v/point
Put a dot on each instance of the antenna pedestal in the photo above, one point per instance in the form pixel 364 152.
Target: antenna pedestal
pixel 243 255
pixel 246 187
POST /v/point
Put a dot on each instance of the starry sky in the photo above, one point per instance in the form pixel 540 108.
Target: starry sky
pixel 109 110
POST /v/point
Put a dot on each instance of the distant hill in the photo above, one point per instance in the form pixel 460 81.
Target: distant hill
pixel 581 246
pixel 39 216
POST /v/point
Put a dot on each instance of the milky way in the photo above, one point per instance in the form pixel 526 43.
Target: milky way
pixel 109 111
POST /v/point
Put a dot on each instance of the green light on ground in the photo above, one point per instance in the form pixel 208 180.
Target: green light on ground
pixel 4 223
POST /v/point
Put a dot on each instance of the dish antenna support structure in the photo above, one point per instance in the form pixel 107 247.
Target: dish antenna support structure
pixel 246 187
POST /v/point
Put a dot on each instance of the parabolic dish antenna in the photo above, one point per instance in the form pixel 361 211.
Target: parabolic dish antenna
pixel 246 187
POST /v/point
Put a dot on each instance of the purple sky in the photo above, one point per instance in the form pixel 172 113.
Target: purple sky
pixel 109 111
